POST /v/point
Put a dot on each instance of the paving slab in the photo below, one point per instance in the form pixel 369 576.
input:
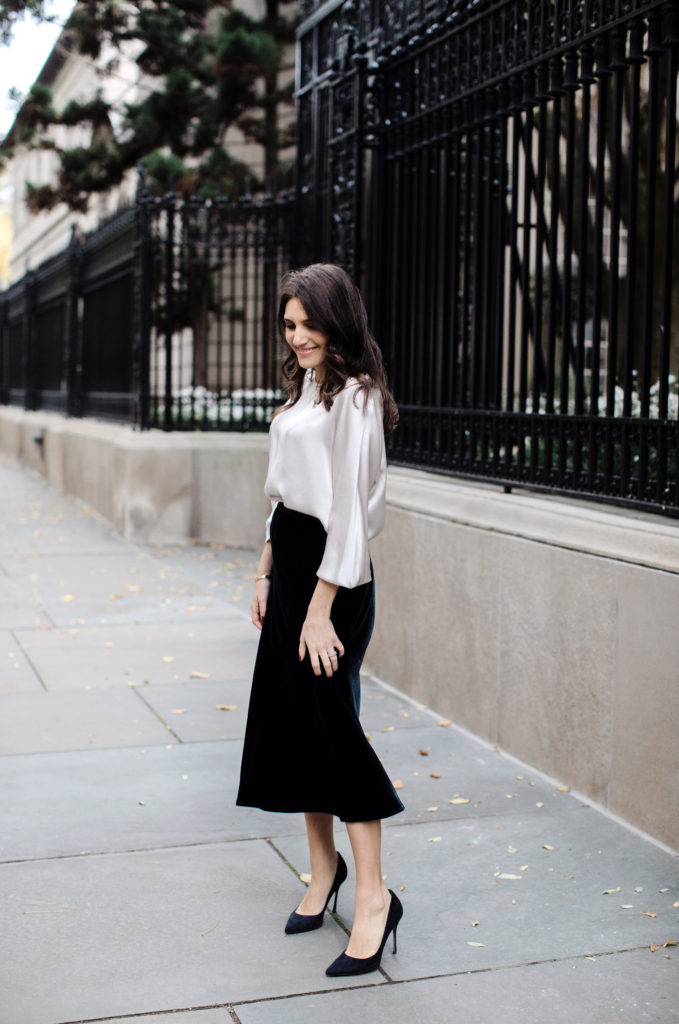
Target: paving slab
pixel 202 710
pixel 72 720
pixel 16 672
pixel 385 709
pixel 452 873
pixel 233 569
pixel 120 586
pixel 35 520
pixel 437 765
pixel 154 931
pixel 151 652
pixel 18 607
pixel 633 988
pixel 145 797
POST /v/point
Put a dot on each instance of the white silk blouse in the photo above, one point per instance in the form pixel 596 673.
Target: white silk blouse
pixel 332 465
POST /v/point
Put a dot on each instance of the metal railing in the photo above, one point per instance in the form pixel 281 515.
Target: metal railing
pixel 501 178
pixel 163 317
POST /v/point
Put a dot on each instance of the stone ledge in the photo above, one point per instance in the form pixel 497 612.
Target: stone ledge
pixel 624 535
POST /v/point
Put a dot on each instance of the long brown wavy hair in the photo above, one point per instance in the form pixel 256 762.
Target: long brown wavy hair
pixel 334 304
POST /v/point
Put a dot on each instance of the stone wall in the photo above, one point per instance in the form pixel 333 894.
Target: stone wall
pixel 547 627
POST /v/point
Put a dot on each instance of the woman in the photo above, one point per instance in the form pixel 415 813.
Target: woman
pixel 314 603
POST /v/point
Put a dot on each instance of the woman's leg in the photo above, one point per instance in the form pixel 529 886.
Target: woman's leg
pixel 371 905
pixel 323 856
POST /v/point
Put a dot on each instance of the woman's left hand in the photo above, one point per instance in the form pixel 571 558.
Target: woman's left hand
pixel 319 639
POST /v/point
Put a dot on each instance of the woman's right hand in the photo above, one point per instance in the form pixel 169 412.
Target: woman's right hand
pixel 258 603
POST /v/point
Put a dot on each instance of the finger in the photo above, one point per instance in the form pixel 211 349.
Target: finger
pixel 327 664
pixel 302 650
pixel 339 647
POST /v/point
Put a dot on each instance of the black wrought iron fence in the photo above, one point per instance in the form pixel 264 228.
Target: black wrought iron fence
pixel 163 317
pixel 210 273
pixel 502 178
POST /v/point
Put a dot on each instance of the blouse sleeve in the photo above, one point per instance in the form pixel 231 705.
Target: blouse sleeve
pixel 357 451
pixel 267 525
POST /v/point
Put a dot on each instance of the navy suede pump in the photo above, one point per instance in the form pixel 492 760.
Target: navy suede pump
pixel 309 922
pixel 345 965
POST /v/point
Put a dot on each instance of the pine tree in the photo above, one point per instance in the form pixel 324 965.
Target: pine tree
pixel 215 67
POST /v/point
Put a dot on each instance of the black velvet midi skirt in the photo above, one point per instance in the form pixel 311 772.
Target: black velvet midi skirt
pixel 305 749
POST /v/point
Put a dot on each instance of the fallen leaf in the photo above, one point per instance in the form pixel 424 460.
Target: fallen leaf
pixel 475 924
pixel 424 753
pixel 389 728
pixel 648 913
pixel 610 892
pixel 199 675
pixel 663 890
pixel 477 945
pixel 639 888
pixel 305 878
pixel 626 906
pixel 546 846
pixel 435 839
pixel 115 597
pixel 524 867
pixel 511 878
pixel 564 789
pixel 653 948
pixel 169 657
pixel 511 849
pixel 368 737
pixel 445 723
pixel 404 714
pixel 178 711
pixel 68 597
pixel 432 808
pixel 460 800
pixel 592 958
pixel 670 942
pixel 398 783
pixel 519 777
pixel 225 707
pixel 675 905
pixel 435 775
pixel 540 804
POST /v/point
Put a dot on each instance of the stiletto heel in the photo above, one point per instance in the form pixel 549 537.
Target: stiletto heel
pixel 297 923
pixel 345 964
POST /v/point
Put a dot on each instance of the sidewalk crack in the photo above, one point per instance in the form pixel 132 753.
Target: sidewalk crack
pixel 153 711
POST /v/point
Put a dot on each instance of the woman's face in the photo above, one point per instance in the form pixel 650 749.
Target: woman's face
pixel 307 342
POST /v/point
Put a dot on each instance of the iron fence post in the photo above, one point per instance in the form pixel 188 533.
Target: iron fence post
pixel 73 369
pixel 28 354
pixel 141 308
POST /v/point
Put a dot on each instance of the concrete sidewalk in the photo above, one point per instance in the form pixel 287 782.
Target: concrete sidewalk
pixel 132 888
